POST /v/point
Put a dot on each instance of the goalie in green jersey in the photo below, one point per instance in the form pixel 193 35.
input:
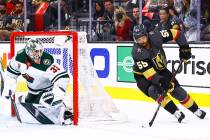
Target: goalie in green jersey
pixel 45 79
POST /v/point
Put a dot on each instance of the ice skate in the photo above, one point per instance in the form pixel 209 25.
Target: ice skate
pixel 200 113
pixel 179 115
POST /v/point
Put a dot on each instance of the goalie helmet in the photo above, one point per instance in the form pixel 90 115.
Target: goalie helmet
pixel 139 31
pixel 34 50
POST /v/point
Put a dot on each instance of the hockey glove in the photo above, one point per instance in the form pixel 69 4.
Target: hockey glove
pixel 166 85
pixel 185 53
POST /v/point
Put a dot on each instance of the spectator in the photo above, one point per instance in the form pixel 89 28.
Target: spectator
pixel 97 24
pixel 188 16
pixel 5 23
pixel 10 6
pixel 166 21
pixel 65 14
pixel 130 4
pixel 109 10
pixel 175 17
pixel 50 17
pixel 205 33
pixel 145 21
pixel 99 10
pixel 18 17
pixel 107 20
pixel 122 25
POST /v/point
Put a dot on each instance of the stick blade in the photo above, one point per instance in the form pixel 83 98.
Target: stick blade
pixel 145 125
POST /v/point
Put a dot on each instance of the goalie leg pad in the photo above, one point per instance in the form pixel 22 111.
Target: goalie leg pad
pixel 46 99
pixel 32 98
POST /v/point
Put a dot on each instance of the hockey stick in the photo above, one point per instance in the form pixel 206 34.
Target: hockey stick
pixel 15 107
pixel 165 93
pixel 10 92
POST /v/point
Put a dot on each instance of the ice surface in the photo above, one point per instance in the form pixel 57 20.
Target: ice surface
pixel 139 113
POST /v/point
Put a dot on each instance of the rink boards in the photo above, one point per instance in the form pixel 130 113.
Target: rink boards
pixel 114 68
pixel 113 64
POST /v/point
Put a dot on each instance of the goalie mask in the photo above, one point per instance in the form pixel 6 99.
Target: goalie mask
pixel 34 50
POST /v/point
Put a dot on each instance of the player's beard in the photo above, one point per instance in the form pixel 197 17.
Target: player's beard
pixel 145 43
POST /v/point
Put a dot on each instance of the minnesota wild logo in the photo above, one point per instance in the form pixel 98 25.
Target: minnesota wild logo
pixel 47 62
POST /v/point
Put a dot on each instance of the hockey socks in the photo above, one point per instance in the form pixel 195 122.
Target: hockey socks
pixel 190 104
pixel 169 106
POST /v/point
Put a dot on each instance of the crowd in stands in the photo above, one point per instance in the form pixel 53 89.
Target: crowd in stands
pixel 113 20
pixel 181 14
pixel 11 18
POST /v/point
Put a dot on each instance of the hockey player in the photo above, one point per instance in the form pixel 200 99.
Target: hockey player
pixel 42 75
pixel 152 75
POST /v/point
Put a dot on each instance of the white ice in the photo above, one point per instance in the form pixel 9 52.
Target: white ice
pixel 139 113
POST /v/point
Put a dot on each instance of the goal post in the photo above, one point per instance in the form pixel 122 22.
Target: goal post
pixel 74 35
pixel 87 96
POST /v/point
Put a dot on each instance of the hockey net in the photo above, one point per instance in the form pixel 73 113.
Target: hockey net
pixel 90 102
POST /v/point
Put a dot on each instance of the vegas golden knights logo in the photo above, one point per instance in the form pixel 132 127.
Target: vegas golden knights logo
pixel 159 61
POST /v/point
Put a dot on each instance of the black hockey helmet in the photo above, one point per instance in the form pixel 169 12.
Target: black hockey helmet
pixel 139 31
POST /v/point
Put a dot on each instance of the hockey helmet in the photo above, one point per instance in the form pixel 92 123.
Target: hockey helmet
pixel 34 50
pixel 139 31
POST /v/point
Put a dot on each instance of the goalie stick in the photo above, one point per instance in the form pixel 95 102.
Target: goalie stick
pixel 10 92
pixel 164 94
pixel 15 107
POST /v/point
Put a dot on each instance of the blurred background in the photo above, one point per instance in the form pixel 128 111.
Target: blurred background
pixel 106 20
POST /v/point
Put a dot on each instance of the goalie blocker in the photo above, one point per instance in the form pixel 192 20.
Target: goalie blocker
pixel 44 78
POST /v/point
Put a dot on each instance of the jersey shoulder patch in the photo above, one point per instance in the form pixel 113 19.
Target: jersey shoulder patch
pixel 21 56
pixel 47 59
